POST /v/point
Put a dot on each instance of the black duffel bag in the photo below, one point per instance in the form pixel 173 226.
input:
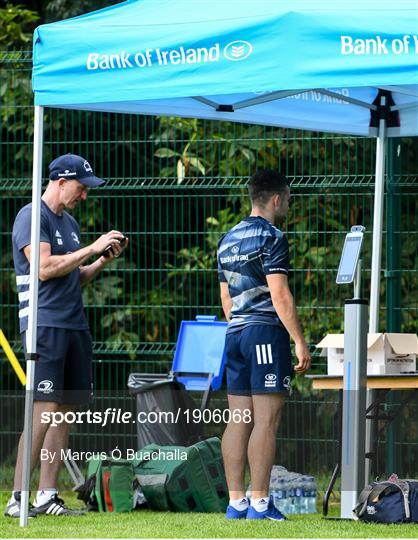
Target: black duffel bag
pixel 391 501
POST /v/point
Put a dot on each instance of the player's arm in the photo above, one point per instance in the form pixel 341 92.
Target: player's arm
pixel 226 300
pixel 53 266
pixel 89 272
pixel 285 307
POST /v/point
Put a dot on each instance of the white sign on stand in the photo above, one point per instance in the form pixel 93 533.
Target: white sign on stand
pixel 350 255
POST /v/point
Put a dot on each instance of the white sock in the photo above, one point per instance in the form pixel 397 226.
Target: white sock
pixel 44 495
pixel 260 504
pixel 239 504
pixel 13 498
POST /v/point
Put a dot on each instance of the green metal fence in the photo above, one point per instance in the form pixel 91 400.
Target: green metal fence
pixel 173 186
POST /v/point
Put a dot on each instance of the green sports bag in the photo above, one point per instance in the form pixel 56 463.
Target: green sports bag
pixel 183 479
pixel 109 486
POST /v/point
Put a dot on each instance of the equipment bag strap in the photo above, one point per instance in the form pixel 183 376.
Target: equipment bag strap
pixel 376 490
pixel 365 496
pixel 362 501
pixel 404 487
pixel 106 490
pixel 389 487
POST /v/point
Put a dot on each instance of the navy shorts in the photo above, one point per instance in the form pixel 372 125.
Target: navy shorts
pixel 258 360
pixel 63 371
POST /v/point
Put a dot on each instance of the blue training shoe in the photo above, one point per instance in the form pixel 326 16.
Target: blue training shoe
pixel 271 513
pixel 233 513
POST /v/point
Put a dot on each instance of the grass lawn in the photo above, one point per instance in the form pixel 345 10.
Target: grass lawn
pixel 150 524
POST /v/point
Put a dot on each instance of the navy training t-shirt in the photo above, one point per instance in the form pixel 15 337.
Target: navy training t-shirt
pixel 60 303
pixel 247 253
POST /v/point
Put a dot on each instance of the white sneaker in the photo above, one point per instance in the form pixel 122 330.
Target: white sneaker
pixel 13 507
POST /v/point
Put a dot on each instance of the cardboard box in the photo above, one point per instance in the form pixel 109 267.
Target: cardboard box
pixel 386 353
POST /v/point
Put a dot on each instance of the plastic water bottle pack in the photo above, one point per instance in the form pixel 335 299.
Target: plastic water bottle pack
pixel 293 493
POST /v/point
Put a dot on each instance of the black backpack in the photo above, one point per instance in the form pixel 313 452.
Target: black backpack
pixel 391 501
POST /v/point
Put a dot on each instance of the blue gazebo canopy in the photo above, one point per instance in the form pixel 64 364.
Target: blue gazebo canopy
pixel 303 64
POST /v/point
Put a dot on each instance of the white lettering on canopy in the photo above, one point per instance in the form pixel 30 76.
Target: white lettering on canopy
pixel 312 95
pixel 154 57
pixel 109 61
pixel 378 45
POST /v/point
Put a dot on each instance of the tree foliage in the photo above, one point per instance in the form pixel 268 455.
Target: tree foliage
pixel 16 26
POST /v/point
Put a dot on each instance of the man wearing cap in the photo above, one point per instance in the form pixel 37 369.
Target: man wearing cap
pixel 63 371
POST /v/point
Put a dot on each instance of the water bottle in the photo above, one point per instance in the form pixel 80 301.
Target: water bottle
pixel 308 482
pixel 280 497
pixel 312 495
pixel 291 496
pixel 284 487
pixel 273 486
pixel 301 495
pixel 298 502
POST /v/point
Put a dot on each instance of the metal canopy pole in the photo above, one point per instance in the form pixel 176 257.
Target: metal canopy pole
pixel 31 333
pixel 379 192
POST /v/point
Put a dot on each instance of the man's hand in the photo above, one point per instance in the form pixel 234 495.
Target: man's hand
pixel 114 252
pixel 87 273
pixel 304 357
pixel 109 239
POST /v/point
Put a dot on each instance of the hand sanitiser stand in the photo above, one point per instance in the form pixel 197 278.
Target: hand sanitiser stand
pixel 355 374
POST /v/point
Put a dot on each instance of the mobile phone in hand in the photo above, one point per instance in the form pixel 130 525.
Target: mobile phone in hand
pixel 106 252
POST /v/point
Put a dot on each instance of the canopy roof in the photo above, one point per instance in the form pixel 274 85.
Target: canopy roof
pixel 293 63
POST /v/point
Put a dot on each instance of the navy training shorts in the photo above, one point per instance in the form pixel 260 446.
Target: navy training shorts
pixel 258 360
pixel 63 371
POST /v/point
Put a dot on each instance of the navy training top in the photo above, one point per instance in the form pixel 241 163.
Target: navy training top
pixel 60 304
pixel 247 253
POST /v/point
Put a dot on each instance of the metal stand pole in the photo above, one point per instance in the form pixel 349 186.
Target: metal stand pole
pixel 354 404
pixel 31 333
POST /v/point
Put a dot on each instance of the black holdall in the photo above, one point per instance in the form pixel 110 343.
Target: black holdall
pixel 391 501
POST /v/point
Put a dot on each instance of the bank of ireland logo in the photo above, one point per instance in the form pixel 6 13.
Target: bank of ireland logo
pixel 238 50
pixel 46 387
pixel 235 249
pixel 270 380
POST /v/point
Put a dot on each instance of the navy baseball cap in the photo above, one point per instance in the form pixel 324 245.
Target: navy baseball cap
pixel 73 167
